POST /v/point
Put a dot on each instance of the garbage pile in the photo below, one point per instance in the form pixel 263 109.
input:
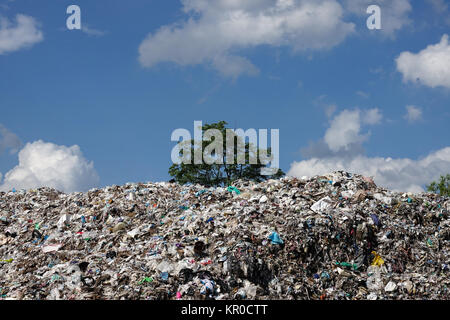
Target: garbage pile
pixel 337 236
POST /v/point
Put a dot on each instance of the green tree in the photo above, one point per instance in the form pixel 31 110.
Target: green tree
pixel 223 174
pixel 442 187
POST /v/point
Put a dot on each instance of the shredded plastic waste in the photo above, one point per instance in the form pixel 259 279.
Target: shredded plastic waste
pixel 331 237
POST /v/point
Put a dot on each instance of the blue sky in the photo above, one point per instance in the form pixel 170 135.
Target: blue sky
pixel 95 89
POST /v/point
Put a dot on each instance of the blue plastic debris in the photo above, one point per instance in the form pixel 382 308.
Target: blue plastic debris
pixel 198 193
pixel 275 238
pixel 164 276
pixel 231 189
pixel 208 286
pixel 375 219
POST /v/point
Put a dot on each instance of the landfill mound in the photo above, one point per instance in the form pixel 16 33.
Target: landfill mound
pixel 337 236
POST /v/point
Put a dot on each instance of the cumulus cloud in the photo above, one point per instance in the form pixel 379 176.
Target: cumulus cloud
pixel 215 30
pixel 8 140
pixel 91 31
pixel 413 114
pixel 47 164
pixel 344 138
pixel 24 33
pixel 344 151
pixel 397 174
pixel 330 110
pixel 430 67
pixel 345 129
pixel 320 149
pixel 373 116
pixel 394 14
pixel 363 94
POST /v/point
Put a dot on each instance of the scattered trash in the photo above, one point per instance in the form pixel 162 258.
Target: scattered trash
pixel 208 287
pixel 7 260
pixel 322 205
pixel 119 226
pixel 275 238
pixel 51 248
pixel 375 219
pixel 336 237
pixel 347 264
pixel 164 276
pixel 233 189
pixel 199 193
pixel 391 286
pixel 377 260
pixel 146 279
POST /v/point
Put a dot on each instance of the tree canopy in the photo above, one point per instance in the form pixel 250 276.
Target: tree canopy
pixel 224 173
pixel 442 186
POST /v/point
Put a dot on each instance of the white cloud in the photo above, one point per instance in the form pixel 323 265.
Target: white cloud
pixel 413 114
pixel 373 116
pixel 430 67
pixel 8 140
pixel 439 5
pixel 341 149
pixel 47 164
pixel 363 94
pixel 91 31
pixel 394 13
pixel 345 129
pixel 216 29
pixel 234 66
pixel 23 34
pixel 397 174
pixel 330 110
pixel 344 137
